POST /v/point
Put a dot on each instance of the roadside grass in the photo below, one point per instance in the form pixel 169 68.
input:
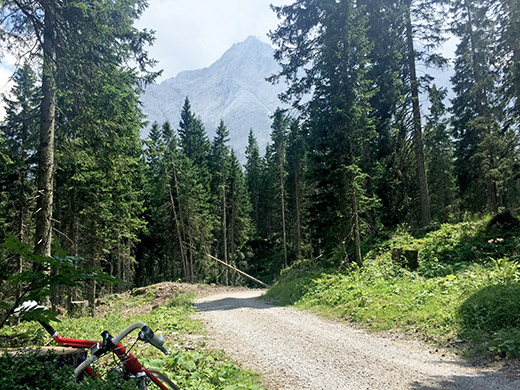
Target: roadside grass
pixel 465 293
pixel 190 364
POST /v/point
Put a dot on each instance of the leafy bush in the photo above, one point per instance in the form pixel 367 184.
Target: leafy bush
pixel 35 371
pixel 202 371
pixel 38 283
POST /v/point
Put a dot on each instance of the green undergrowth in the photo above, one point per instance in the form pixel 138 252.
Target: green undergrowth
pixel 190 364
pixel 465 293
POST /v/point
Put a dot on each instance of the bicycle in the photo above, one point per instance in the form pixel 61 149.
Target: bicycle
pixel 129 367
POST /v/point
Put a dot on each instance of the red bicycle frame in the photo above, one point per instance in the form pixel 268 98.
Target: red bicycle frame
pixel 130 363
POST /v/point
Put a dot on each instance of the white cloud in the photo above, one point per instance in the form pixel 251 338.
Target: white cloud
pixel 192 34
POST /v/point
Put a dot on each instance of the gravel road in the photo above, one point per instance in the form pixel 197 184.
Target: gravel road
pixel 297 350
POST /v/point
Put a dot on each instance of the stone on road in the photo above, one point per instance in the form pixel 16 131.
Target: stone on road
pixel 294 349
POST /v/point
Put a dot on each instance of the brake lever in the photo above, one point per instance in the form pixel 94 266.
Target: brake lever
pixel 147 335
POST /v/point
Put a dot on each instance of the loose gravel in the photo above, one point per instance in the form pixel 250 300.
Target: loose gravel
pixel 297 350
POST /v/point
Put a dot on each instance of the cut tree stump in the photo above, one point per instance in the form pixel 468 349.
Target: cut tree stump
pixel 408 258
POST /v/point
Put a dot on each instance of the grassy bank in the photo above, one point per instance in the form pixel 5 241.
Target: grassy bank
pixel 190 364
pixel 465 293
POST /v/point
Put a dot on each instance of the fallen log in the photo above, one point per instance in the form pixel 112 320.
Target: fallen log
pixel 71 356
pixel 237 270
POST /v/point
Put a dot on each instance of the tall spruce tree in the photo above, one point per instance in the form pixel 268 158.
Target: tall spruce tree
pixel 253 172
pixel 423 22
pixel 220 164
pixel 279 138
pixel 65 32
pixel 475 121
pixel 507 26
pixel 195 197
pixel 192 135
pixel 439 156
pixel 17 185
pixel 239 213
pixel 336 63
pixel 296 185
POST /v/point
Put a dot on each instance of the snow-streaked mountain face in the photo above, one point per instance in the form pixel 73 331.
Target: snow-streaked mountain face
pixel 233 89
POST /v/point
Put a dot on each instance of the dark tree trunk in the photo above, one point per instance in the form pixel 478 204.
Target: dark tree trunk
pixel 513 8
pixel 357 233
pixel 224 232
pixel 178 223
pixel 358 256
pixel 422 182
pixel 297 205
pixel 43 234
pixel 282 200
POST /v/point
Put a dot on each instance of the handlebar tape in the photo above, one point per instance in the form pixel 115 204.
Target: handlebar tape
pixel 48 328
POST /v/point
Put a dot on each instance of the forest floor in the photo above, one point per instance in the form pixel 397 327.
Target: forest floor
pixel 295 349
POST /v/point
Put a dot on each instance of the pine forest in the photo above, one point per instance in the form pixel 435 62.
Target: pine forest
pixel 367 145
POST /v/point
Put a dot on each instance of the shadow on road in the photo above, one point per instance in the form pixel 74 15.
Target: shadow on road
pixel 226 304
pixel 506 379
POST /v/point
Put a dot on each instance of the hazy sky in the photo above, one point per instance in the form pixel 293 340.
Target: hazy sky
pixel 192 34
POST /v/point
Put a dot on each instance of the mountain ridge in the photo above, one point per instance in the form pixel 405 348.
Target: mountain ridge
pixel 233 89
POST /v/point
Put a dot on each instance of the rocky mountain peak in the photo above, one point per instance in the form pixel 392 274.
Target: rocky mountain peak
pixel 233 89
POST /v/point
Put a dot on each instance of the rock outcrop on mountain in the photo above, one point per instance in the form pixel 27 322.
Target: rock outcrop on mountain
pixel 233 89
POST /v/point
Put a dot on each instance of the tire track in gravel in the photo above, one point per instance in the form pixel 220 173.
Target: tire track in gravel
pixel 297 350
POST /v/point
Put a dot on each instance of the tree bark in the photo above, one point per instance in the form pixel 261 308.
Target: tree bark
pixel 358 256
pixel 43 234
pixel 224 232
pixel 182 247
pixel 422 182
pixel 232 248
pixel 297 205
pixel 282 201
pixel 357 233
pixel 513 10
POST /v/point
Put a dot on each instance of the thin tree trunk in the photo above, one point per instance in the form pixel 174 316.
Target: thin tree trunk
pixel 119 265
pixel 422 182
pixel 232 238
pixel 297 202
pixel 513 11
pixel 192 265
pixel 179 234
pixel 74 233
pixel 491 193
pixel 43 234
pixel 224 233
pixel 357 234
pixel 22 204
pixel 358 256
pixel 92 284
pixel 178 225
pixel 282 201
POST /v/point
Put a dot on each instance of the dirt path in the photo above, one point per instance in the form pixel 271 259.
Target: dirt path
pixel 297 350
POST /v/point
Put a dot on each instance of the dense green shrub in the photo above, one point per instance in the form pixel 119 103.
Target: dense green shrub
pixel 35 371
